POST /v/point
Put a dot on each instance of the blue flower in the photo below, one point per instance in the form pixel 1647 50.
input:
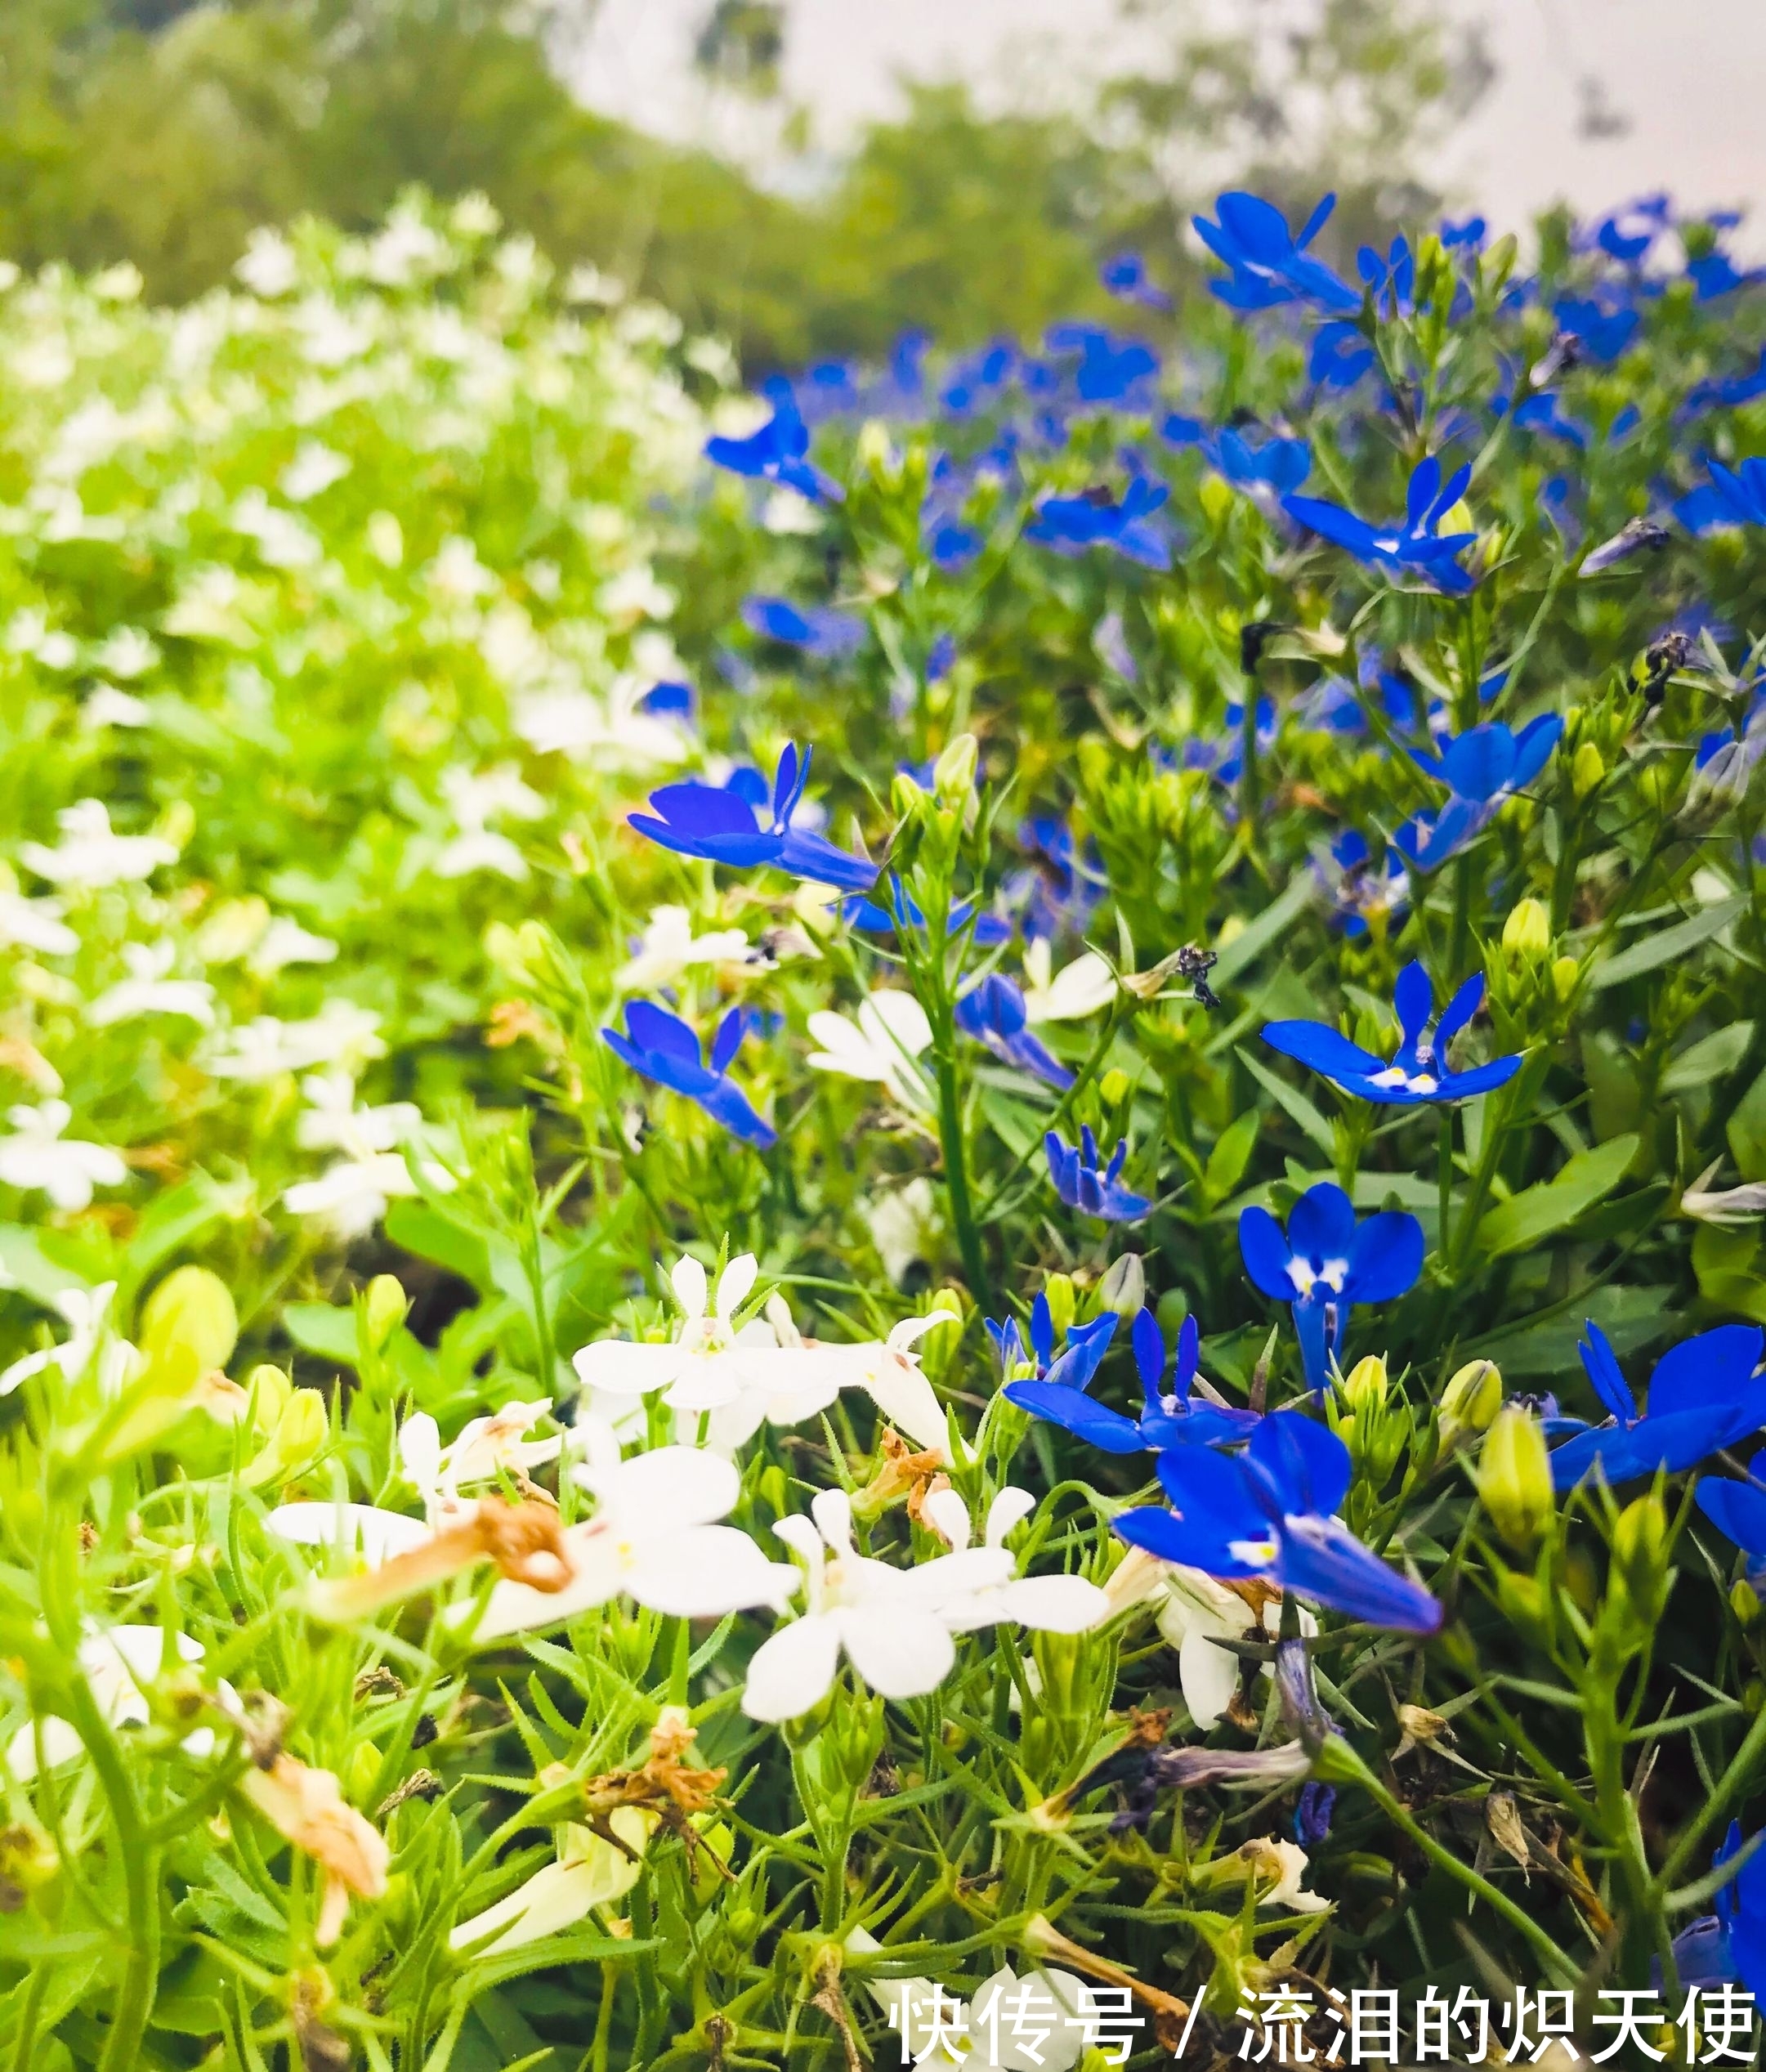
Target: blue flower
pixel 1085 1347
pixel 1109 369
pixel 1071 524
pixel 818 629
pixel 1391 281
pixel 1602 332
pixel 706 821
pixel 776 453
pixel 1080 1184
pixel 871 918
pixel 1543 415
pixel 1311 1817
pixel 1170 1419
pixel 1326 1264
pixel 1732 497
pixel 1469 234
pixel 1279 464
pixel 1738 1509
pixel 1704 1395
pixel 660 1047
pixel 1266 264
pixel 1416 545
pixel 1270 1513
pixel 1480 768
pixel 1124 277
pixel 1360 890
pixel 1419 1071
pixel 1341 354
pixel 994 1013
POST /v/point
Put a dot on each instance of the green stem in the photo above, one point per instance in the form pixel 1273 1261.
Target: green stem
pixel 956 1175
pixel 140 1874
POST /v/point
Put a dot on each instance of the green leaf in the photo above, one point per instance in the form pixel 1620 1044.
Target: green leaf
pixel 1231 1154
pixel 1250 944
pixel 1525 1217
pixel 1631 1317
pixel 1299 1108
pixel 26 1264
pixel 318 1328
pixel 1019 1128
pixel 173 1220
pixel 1655 951
pixel 1712 1057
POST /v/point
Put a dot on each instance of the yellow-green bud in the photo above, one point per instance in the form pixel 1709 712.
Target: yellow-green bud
pixel 1587 768
pixel 1114 1086
pixel 906 796
pixel 1215 497
pixel 301 1430
pixel 1744 1601
pixel 1364 1387
pixel 188 1326
pixel 954 773
pixel 1062 1301
pixel 1124 1288
pixel 269 1388
pixel 1639 1551
pixel 1527 931
pixel 1514 1479
pixel 1472 1397
pixel 1564 975
pixel 386 1305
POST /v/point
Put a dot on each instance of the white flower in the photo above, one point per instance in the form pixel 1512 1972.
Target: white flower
pixel 1055 1604
pixel 1194 1611
pixel 475 799
pixel 376 1534
pixel 269 267
pixel 709 1368
pixel 285 942
pixel 83 1311
pixel 127 653
pixel 1275 1867
pixel 890 1032
pixel 117 1662
pixel 894 1625
pixel 668 949
pixel 654 1537
pixel 106 706
pixel 35 924
pixel 618 734
pixel 351 1196
pixel 334 1122
pixel 1041 2022
pixel 591 1872
pixel 1078 990
pixel 480 1452
pixel 888 1370
pixel 66 1169
pixel 904 1227
pixel 342 1034
pixel 91 855
pixel 149 990
pixel 1729 1205
pixel 314 469
pixel 282 540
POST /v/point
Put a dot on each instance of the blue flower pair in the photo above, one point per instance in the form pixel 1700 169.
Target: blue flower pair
pixel 705 821
pixel 1169 1418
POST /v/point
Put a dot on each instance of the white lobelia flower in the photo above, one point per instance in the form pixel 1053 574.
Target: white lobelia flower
pixel 284 943
pixel 883 1042
pixel 117 1663
pixel 35 924
pixel 377 1535
pixel 591 1872
pixel 352 1195
pixel 66 1169
pixel 710 1366
pixel 895 1626
pixel 333 1122
pixel 1729 1204
pixel 1041 2022
pixel 91 855
pixel 1056 1604
pixel 1078 990
pixel 1277 1869
pixel 475 800
pixel 655 1536
pixel 668 949
pixel 149 989
pixel 84 1311
pixel 340 1034
pixel 481 1451
pixel 1193 1611
pixel 888 1370
pixel 105 705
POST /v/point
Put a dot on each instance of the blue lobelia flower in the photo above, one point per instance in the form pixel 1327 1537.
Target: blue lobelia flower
pixel 1415 547
pixel 1390 281
pixel 1278 465
pixel 1602 329
pixel 1073 525
pixel 1732 497
pixel 1111 368
pixel 660 1047
pixel 1326 1264
pixel 1271 1513
pixel 994 1013
pixel 1340 355
pixel 1480 768
pixel 1266 264
pixel 1738 1509
pixel 870 917
pixel 1170 1419
pixel 1085 1347
pixel 1359 890
pixel 776 453
pixel 707 821
pixel 1311 1817
pixel 1419 1071
pixel 1081 1185
pixel 1124 277
pixel 1704 1395
pixel 1704 1951
pixel 818 629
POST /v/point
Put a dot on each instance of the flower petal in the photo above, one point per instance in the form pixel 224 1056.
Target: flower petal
pixel 792 1670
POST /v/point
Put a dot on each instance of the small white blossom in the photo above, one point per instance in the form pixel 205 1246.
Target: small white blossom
pixel 1039 2022
pixel 342 1034
pixel 91 855
pixel 1729 1204
pixel 590 1872
pixel 284 943
pixel 315 468
pixel 128 653
pixel 1192 1612
pixel 269 267
pixel 148 989
pixel 83 1311
pixel 1079 990
pixel 35 924
pixel 117 1663
pixel 66 1169
pixel 668 949
pixel 883 1043
pixel 104 705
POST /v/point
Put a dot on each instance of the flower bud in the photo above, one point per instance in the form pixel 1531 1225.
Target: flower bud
pixel 1527 931
pixel 1744 1601
pixel 905 796
pixel 954 773
pixel 1564 974
pixel 1364 1387
pixel 1514 1479
pixel 1472 1398
pixel 1640 1553
pixel 873 447
pixel 301 1430
pixel 188 1326
pixel 1124 1288
pixel 1587 768
pixel 269 1388
pixel 1114 1086
pixel 385 1306
pixel 1063 1302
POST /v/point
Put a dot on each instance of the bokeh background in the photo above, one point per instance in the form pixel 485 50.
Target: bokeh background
pixel 810 176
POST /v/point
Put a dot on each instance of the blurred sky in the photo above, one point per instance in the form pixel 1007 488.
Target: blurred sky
pixel 1678 86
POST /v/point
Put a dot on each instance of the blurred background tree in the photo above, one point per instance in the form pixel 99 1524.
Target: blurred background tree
pixel 163 132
